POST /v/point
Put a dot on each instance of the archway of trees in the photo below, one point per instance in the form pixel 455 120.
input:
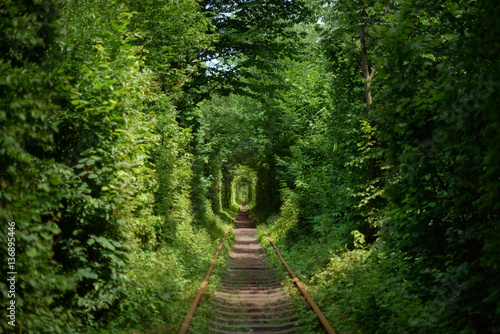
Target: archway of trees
pixel 244 186
pixel 363 133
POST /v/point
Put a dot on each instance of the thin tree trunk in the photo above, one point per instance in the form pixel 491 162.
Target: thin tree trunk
pixel 367 76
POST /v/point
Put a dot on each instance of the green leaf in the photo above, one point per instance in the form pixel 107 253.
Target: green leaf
pixel 165 296
pixel 86 273
pixel 31 252
pixel 105 243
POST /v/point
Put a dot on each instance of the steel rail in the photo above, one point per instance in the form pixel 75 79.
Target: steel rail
pixel 187 321
pixel 329 329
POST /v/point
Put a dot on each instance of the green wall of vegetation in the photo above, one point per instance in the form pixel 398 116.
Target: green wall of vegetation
pixel 365 134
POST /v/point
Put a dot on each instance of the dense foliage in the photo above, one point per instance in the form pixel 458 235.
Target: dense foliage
pixel 366 132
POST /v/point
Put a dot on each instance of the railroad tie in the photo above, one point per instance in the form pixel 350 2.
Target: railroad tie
pixel 251 297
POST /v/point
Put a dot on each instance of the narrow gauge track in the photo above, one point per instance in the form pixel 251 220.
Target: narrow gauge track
pixel 251 297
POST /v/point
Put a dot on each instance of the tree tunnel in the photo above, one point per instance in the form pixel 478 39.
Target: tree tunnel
pixel 243 186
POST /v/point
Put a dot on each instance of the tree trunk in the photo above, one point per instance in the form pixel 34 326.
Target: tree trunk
pixel 367 76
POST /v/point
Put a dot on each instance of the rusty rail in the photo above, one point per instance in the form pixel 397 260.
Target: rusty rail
pixel 187 321
pixel 329 329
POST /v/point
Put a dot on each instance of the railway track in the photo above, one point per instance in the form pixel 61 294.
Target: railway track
pixel 251 297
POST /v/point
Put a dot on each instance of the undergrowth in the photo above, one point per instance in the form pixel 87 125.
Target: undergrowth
pixel 161 285
pixel 327 275
pixel 360 287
